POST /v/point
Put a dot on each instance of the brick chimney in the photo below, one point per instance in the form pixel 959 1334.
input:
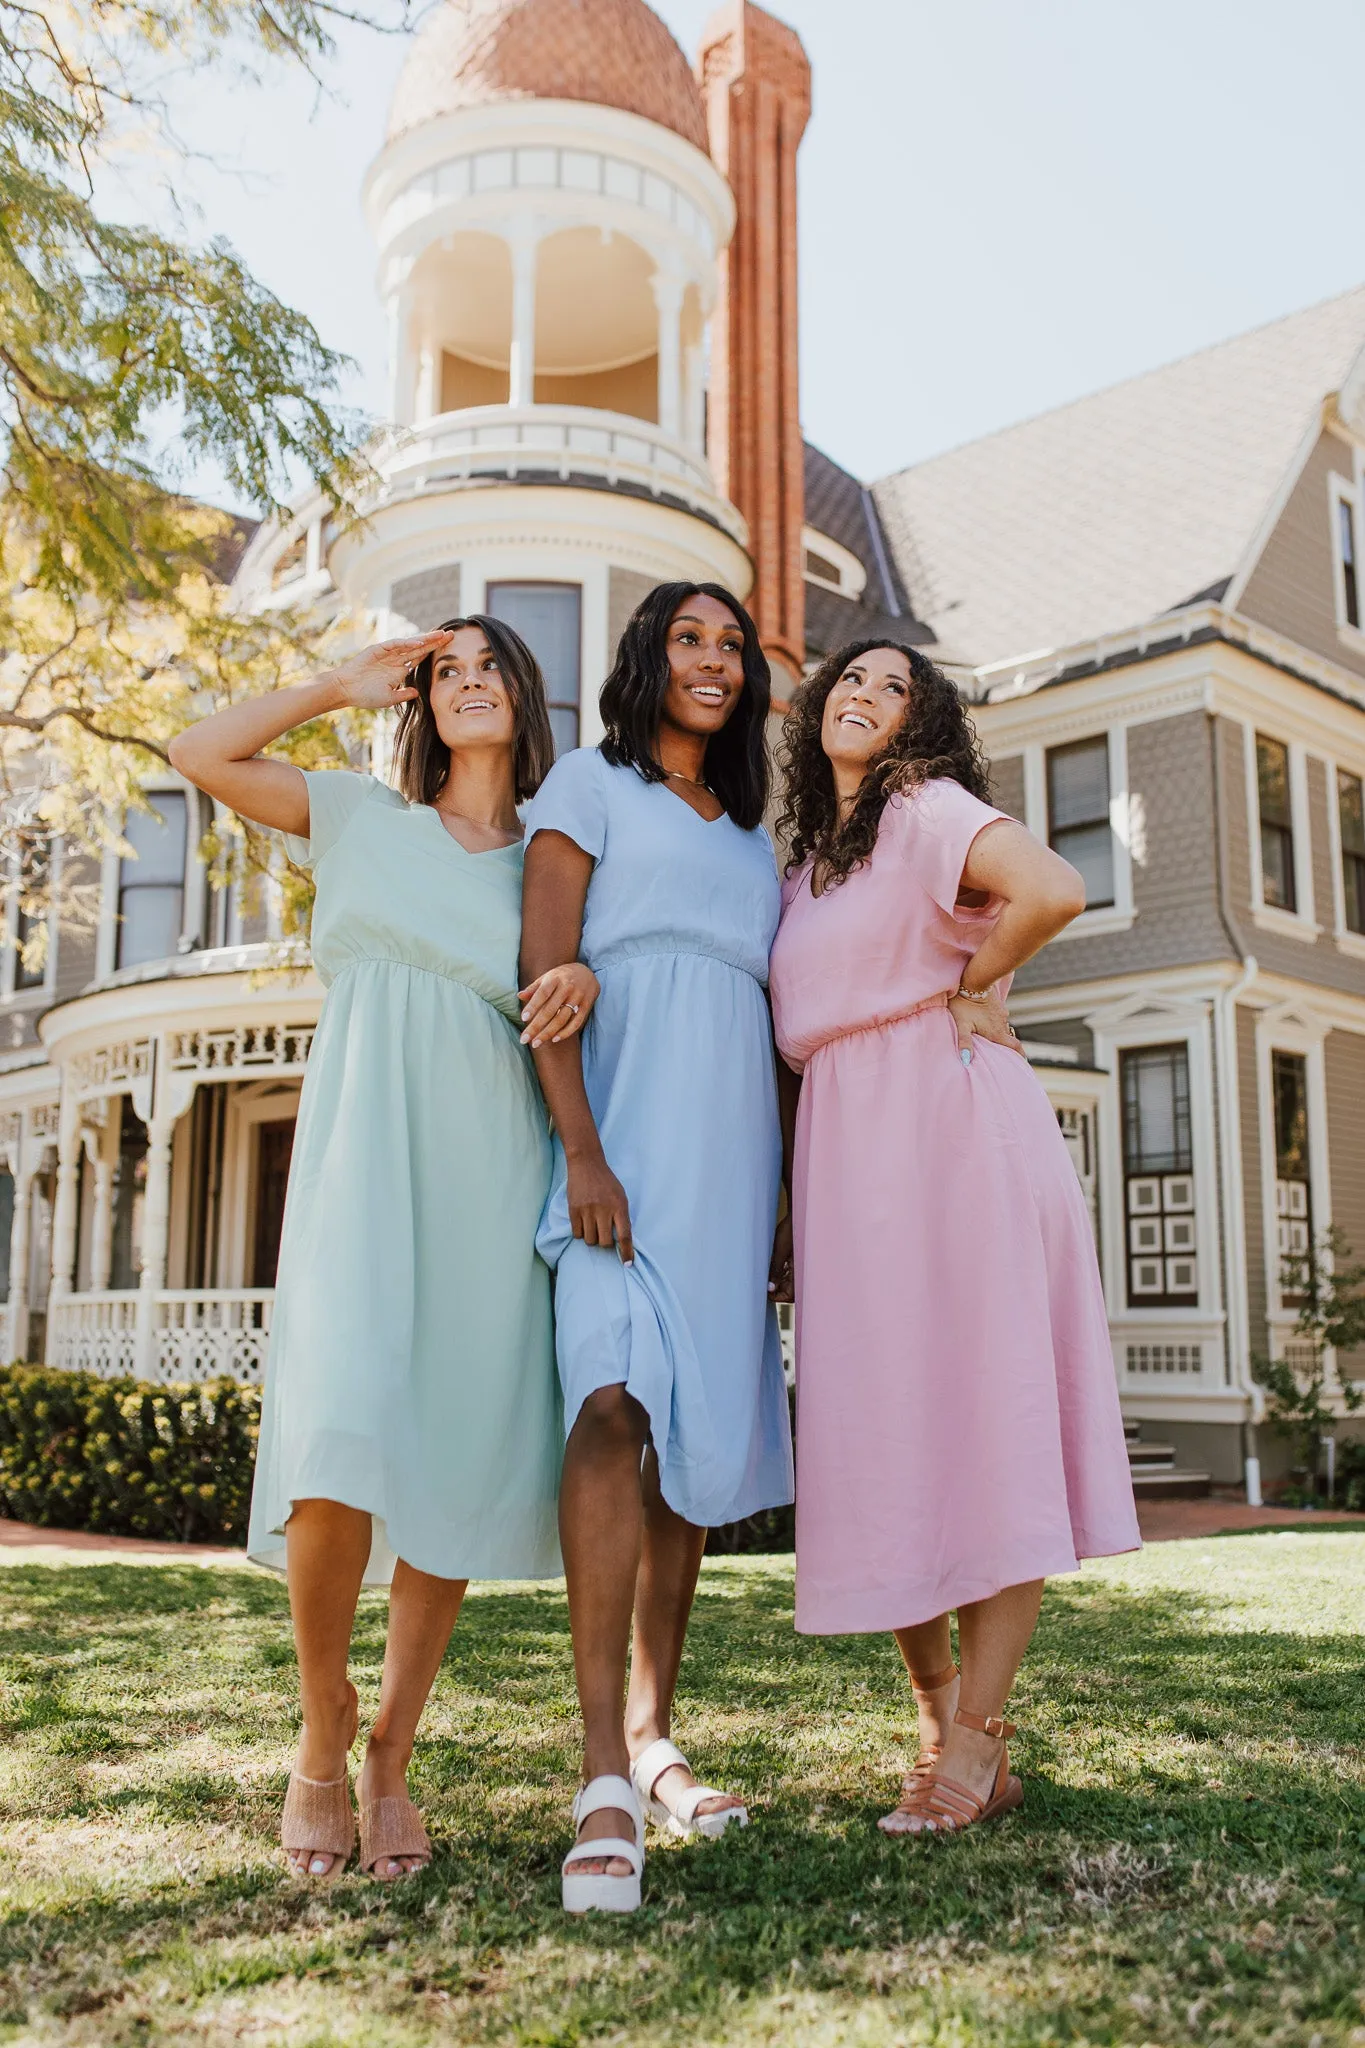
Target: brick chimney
pixel 755 80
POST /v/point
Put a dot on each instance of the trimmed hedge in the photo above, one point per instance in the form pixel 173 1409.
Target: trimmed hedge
pixel 125 1458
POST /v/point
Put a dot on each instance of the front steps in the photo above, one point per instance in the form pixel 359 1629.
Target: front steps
pixel 1156 1476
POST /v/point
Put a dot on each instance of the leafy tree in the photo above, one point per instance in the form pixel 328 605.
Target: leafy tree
pixel 1329 1284
pixel 111 627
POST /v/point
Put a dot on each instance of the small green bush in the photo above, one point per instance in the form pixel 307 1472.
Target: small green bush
pixel 125 1458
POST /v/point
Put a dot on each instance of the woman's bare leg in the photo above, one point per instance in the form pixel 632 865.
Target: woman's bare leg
pixel 992 1638
pixel 422 1612
pixel 327 1547
pixel 665 1588
pixel 927 1651
pixel 601 1529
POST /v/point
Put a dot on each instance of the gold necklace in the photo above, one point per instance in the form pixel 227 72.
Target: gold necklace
pixel 676 775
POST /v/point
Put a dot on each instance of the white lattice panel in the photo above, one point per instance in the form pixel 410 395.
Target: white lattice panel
pixel 94 1333
pixel 213 1334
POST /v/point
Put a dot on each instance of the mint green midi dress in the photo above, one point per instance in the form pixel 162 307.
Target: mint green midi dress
pixel 412 1370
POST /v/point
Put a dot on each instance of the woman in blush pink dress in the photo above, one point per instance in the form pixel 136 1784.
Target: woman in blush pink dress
pixel 958 1426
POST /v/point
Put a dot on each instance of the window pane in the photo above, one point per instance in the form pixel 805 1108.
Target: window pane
pixel 547 616
pixel 1277 866
pixel 157 839
pixel 1272 773
pixel 564 726
pixel 1353 889
pixel 1091 852
pixel 1289 1082
pixel 34 870
pixel 1078 784
pixel 1156 1110
pixel 1351 799
pixel 1347 524
pixel 150 925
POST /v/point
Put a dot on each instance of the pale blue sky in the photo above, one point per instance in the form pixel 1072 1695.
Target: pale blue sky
pixel 1004 203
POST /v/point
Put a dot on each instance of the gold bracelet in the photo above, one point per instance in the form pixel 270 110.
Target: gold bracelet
pixel 976 995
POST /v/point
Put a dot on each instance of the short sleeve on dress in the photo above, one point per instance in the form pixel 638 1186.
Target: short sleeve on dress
pixel 334 797
pixel 573 800
pixel 936 827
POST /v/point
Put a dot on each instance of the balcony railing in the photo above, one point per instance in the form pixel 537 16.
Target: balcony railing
pixel 563 441
pixel 196 1333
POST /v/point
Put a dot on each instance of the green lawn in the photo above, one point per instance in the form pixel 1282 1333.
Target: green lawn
pixel 1189 1864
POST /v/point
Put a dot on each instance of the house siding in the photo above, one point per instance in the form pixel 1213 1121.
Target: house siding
pixel 1344 1065
pixel 429 597
pixel 1175 865
pixel 1291 589
pixel 1007 785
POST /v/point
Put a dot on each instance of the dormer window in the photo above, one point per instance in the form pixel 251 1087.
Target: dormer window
pixel 831 566
pixel 151 880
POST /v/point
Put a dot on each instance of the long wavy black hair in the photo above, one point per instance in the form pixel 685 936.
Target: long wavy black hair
pixel 422 758
pixel 935 739
pixel 632 703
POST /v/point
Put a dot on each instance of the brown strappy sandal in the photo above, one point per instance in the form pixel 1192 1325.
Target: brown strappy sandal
pixel 944 1807
pixel 929 1751
pixel 390 1828
pixel 318 1815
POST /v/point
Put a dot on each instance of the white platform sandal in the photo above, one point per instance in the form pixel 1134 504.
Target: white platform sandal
pixel 584 1892
pixel 683 1820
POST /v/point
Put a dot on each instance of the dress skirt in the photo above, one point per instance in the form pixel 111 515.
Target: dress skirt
pixel 958 1427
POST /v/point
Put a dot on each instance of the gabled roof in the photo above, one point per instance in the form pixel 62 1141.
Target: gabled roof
pixel 1121 506
pixel 838 505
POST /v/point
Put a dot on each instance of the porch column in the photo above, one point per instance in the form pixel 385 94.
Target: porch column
pixel 103 1158
pixel 16 1339
pixel 428 379
pixel 65 1207
pixel 524 242
pixel 668 297
pixel 694 399
pixel 402 381
pixel 156 1225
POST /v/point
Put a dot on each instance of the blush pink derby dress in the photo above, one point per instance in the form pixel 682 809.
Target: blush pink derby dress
pixel 958 1424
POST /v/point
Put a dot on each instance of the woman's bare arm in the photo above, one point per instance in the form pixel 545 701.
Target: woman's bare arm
pixel 222 753
pixel 1041 894
pixel 554 892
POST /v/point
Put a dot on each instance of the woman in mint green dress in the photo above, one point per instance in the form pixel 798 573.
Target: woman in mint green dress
pixel 411 1426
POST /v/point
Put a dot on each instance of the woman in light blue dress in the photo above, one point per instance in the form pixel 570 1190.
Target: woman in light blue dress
pixel 648 859
pixel 410 1433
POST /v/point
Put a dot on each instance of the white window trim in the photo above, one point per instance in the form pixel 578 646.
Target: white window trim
pixel 1341 492
pixel 1302 923
pixel 42 992
pixel 194 909
pixel 1118 915
pixel 1276 1032
pixel 1131 1036
pixel 852 575
pixel 1349 942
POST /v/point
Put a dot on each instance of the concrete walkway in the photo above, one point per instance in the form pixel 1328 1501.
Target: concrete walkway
pixel 1163 1521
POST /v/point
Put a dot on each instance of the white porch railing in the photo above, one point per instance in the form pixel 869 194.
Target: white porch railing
pixel 199 1333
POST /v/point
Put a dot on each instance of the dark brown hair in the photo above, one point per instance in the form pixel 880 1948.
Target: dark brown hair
pixel 935 739
pixel 421 757
pixel 633 696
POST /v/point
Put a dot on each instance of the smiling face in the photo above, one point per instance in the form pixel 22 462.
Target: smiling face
pixel 470 701
pixel 865 707
pixel 705 666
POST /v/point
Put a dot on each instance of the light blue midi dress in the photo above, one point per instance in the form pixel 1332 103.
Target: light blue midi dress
pixel 679 1069
pixel 411 1370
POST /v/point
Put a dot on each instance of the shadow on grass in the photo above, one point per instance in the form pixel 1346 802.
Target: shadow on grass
pixel 1166 1759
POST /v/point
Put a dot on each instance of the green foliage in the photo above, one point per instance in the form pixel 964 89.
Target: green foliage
pixel 1350 1474
pixel 124 1458
pixel 1329 1284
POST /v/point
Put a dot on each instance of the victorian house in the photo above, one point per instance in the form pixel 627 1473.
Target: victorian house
pixel 587 252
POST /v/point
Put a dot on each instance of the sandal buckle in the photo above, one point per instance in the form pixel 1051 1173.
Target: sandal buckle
pixel 994 1726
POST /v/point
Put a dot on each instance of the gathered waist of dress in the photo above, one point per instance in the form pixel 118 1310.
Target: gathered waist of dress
pixel 874 1024
pixel 505 1003
pixel 626 951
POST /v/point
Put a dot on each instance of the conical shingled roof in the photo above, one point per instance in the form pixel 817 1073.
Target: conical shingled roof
pixel 612 53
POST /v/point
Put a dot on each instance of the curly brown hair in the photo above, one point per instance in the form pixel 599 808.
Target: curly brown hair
pixel 934 739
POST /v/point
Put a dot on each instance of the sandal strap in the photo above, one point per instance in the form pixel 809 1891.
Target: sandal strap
pixel 650 1765
pixel 601 1794
pixel 388 1828
pixel 692 1798
pixel 603 1850
pixel 986 1724
pixel 318 1815
pixel 934 1683
pixel 944 1798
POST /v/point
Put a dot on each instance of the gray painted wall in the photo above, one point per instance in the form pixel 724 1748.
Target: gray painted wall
pixel 1291 588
